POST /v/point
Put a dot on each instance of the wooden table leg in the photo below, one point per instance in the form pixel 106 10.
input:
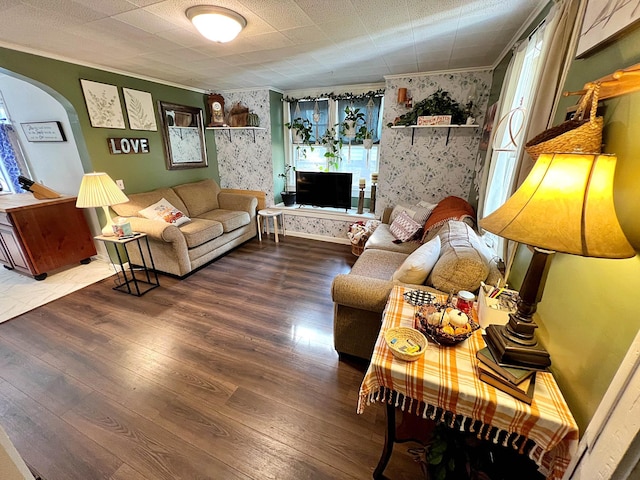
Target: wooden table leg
pixel 389 440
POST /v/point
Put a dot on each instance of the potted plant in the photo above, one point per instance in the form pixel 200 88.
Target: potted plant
pixel 354 124
pixel 288 197
pixel 333 147
pixel 301 130
pixel 438 103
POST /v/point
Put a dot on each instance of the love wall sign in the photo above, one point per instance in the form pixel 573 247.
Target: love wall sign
pixel 120 146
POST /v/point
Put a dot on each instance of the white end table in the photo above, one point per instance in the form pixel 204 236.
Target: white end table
pixel 266 214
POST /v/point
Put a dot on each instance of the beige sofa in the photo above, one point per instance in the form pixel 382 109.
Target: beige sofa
pixel 361 295
pixel 220 221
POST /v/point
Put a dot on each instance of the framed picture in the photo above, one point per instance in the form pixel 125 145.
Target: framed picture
pixel 487 130
pixel 43 132
pixel 103 104
pixel 139 110
pixel 603 21
pixel 183 135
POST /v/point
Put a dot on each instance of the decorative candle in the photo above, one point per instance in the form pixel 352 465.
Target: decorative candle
pixel 374 177
pixel 362 183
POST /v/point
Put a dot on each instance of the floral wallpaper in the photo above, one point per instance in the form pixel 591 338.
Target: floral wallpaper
pixel 431 168
pixel 243 163
pixel 323 227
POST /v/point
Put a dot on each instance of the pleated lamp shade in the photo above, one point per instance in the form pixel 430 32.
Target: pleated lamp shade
pixel 565 205
pixel 99 190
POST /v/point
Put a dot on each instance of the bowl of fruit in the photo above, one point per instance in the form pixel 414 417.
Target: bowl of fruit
pixel 444 324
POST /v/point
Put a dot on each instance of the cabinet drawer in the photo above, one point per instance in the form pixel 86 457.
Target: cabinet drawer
pixel 4 219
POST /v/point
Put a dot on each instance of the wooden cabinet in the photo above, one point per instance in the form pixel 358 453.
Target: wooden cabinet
pixel 37 236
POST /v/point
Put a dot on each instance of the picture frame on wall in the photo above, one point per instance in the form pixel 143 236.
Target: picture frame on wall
pixel 183 136
pixel 604 21
pixel 43 131
pixel 140 110
pixel 103 104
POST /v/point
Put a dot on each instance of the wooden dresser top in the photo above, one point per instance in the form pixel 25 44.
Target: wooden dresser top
pixel 21 201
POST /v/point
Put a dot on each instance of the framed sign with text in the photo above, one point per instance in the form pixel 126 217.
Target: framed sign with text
pixel 43 132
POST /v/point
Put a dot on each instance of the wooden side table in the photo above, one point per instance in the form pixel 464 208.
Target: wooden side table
pixel 264 216
pixel 130 283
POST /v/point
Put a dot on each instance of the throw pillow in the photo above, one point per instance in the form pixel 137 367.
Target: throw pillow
pixel 416 268
pixel 417 212
pixel 165 212
pixel 404 228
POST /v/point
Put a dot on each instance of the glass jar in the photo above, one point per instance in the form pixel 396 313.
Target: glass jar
pixel 465 300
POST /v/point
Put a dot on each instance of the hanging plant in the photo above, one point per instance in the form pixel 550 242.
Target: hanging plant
pixel 302 128
pixel 333 146
pixel 438 103
pixel 354 124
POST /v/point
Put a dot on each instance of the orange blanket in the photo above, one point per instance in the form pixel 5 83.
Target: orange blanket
pixel 450 208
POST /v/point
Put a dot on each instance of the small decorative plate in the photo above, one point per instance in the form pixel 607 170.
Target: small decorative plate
pixel 419 297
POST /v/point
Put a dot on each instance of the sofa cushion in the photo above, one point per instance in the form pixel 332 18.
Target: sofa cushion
pixel 416 268
pixel 230 219
pixel 199 231
pixel 461 265
pixel 140 201
pixel 378 264
pixel 404 228
pixel 382 239
pixel 199 197
pixel 163 211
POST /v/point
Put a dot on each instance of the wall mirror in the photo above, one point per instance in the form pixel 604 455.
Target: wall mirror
pixel 183 135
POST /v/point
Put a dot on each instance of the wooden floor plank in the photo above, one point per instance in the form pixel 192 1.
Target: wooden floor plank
pixel 228 373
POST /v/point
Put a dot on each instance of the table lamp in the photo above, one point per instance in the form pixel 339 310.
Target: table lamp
pixel 99 190
pixel 564 205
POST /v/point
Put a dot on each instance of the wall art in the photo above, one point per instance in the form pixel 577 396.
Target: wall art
pixel 603 21
pixel 103 104
pixel 43 131
pixel 139 110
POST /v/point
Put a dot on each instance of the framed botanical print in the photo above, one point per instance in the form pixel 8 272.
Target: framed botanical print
pixel 183 135
pixel 103 104
pixel 139 110
pixel 605 20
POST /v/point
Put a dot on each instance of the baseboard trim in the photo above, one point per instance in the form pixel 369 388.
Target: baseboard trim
pixel 322 238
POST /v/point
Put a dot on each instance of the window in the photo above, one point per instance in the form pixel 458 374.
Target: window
pixel 325 116
pixel 517 100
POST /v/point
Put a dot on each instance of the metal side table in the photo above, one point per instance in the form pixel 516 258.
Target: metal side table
pixel 147 278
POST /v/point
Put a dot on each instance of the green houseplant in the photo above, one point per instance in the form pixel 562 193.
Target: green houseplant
pixel 302 129
pixel 354 124
pixel 333 146
pixel 438 103
pixel 288 197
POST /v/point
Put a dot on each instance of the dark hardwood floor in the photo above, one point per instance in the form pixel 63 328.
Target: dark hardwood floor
pixel 227 374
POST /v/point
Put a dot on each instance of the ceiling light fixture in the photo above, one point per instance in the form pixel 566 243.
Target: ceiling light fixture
pixel 216 23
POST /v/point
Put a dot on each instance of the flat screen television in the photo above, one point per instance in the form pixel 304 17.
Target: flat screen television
pixel 324 189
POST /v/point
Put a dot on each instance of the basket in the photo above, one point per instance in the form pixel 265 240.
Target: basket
pixel 579 134
pixel 401 339
pixel 436 334
pixel 357 248
pixel 238 115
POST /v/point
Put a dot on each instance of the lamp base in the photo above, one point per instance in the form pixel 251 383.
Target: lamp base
pixel 510 352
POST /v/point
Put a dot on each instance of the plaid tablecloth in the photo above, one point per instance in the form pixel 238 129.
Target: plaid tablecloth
pixel 445 384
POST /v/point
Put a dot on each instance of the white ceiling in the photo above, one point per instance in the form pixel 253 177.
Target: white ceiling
pixel 287 44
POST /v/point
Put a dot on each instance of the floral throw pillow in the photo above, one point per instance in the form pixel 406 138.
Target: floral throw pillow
pixel 165 212
pixel 404 228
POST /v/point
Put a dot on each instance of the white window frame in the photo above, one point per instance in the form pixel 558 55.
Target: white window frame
pixel 294 151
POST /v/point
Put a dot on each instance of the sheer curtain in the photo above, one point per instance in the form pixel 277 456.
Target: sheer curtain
pixel 530 92
pixel 12 164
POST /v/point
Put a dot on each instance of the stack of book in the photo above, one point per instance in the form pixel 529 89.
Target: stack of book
pixel 517 381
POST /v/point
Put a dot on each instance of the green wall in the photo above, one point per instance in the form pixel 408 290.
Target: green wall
pixel 276 112
pixel 588 315
pixel 140 172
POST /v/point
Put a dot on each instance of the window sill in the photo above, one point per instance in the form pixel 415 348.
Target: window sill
pixel 350 215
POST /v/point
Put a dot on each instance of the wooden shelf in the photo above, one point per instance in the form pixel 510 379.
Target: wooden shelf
pixel 230 129
pixel 448 127
pixel 620 82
